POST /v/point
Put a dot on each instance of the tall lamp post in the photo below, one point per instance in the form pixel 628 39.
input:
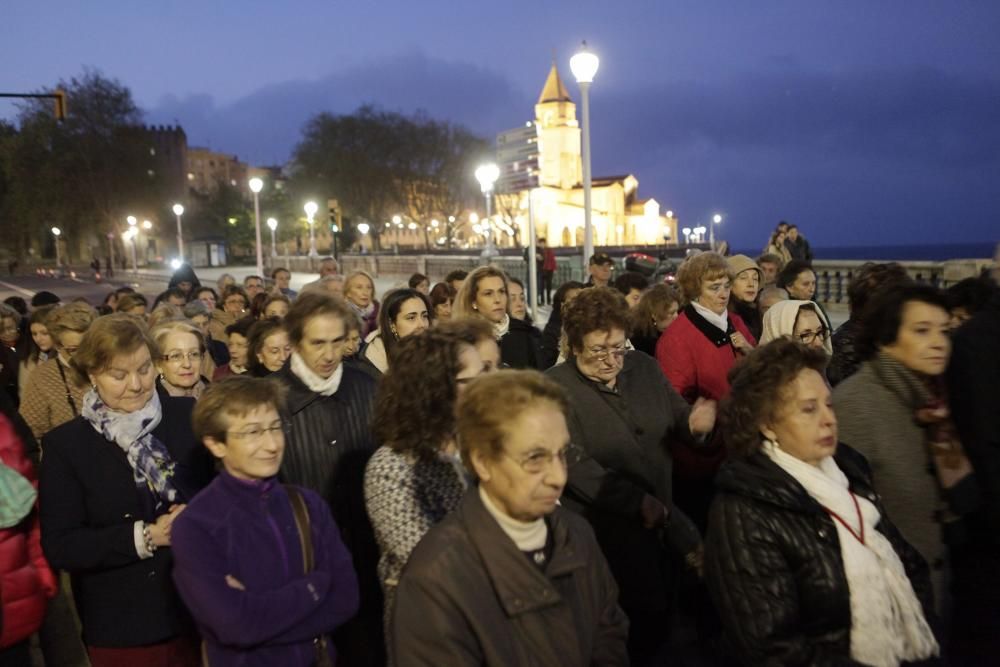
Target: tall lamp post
pixel 178 210
pixel 363 228
pixel 310 208
pixel 272 223
pixel 716 219
pixel 256 185
pixel 56 232
pixel 584 66
pixel 129 236
pixel 487 175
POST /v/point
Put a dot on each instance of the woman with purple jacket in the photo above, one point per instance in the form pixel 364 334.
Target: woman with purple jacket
pixel 240 559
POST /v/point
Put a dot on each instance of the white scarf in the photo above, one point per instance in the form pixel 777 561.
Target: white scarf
pixel 500 329
pixel 887 621
pixel 325 386
pixel 719 321
pixel 528 536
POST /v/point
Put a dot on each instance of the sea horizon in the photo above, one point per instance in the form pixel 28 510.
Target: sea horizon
pixel 913 252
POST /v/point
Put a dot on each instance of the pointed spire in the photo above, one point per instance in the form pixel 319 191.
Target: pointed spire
pixel 555 89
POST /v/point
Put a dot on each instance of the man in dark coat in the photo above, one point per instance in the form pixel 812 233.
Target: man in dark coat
pixel 329 409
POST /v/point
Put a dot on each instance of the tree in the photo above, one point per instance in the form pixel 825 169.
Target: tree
pixel 378 163
pixel 84 174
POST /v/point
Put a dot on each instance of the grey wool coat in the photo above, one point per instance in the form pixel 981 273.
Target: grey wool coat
pixel 876 416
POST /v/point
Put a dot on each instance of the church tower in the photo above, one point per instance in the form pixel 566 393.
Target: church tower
pixel 560 165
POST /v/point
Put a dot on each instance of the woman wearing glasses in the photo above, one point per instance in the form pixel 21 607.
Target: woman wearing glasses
pixel 112 482
pixel 623 415
pixel 180 347
pixel 509 577
pixel 240 565
pixel 801 320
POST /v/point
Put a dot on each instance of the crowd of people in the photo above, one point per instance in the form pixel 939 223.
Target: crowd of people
pixel 243 474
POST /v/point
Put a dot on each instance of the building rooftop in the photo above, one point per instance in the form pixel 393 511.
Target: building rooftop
pixel 554 89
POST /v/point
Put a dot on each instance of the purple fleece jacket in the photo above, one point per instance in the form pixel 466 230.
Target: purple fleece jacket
pixel 247 530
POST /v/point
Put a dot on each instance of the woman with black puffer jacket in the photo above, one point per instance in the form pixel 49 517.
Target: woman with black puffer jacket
pixel 801 559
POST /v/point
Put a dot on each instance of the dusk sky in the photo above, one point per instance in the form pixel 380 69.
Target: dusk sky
pixel 863 121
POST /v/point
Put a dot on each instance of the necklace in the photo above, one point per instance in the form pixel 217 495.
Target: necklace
pixel 859 536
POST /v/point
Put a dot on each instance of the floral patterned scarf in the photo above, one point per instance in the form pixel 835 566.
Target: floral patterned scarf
pixel 152 466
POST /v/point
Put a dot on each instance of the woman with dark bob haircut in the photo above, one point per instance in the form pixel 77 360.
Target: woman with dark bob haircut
pixel 895 412
pixel 625 416
pixel 801 558
pixel 413 480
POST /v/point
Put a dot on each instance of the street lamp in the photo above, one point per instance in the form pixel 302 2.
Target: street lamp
pixel 273 224
pixel 56 232
pixel 256 185
pixel 363 228
pixel 147 225
pixel 687 234
pixel 129 235
pixel 584 66
pixel 178 210
pixel 310 208
pixel 716 219
pixel 487 175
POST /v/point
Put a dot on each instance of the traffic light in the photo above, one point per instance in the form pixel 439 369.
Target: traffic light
pixel 60 104
pixel 333 206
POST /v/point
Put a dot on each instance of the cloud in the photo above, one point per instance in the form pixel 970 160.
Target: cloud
pixel 265 125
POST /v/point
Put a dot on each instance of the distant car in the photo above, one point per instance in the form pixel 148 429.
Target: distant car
pixel 662 270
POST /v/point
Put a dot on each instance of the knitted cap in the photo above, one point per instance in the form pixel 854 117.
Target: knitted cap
pixel 740 263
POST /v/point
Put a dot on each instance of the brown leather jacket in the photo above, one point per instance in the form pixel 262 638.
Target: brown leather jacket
pixel 468 596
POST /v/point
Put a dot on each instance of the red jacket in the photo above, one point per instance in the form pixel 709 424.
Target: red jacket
pixel 26 581
pixel 696 356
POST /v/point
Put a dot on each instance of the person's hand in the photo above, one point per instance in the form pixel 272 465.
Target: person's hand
pixel 702 417
pixel 159 530
pixel 233 582
pixel 740 343
pixel 652 512
pixel 696 560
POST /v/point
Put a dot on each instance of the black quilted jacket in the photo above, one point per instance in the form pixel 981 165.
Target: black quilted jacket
pixel 774 569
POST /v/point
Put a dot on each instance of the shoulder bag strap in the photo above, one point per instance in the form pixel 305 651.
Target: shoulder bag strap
pixel 302 523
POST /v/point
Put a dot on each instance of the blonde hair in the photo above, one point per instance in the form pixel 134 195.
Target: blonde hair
pixel 351 277
pixel 76 317
pixel 160 332
pixel 466 297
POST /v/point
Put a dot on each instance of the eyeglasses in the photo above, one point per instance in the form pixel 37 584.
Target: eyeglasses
pixel 177 357
pixel 238 301
pixel 809 336
pixel 539 461
pixel 602 353
pixel 257 432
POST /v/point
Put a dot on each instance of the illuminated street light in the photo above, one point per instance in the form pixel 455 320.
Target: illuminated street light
pixel 256 185
pixel 131 221
pixel 310 208
pixel 473 217
pixel 716 219
pixel 584 66
pixel 273 224
pixel 487 175
pixel 363 227
pixel 147 225
pixel 179 211
pixel 56 232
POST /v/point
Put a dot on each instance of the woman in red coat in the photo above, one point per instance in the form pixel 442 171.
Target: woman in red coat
pixel 696 353
pixel 26 582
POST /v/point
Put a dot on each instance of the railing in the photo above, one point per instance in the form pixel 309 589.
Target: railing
pixel 832 276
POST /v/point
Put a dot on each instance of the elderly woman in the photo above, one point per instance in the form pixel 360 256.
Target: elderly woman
pixel 54 393
pixel 132 304
pixel 893 410
pixel 696 353
pixel 747 280
pixel 259 597
pixel 38 349
pixel 802 560
pixel 201 316
pixel 404 312
pixel 414 479
pixel 237 345
pixel 180 347
pixel 509 577
pixel 359 291
pixel 234 306
pixel 112 482
pixel 799 279
pixel 276 305
pixel 657 309
pixel 700 347
pixel 484 295
pixel 801 320
pixel 624 416
pixel 442 296
pixel 267 347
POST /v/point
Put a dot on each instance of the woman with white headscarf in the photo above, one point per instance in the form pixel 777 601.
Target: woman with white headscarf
pixel 802 320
